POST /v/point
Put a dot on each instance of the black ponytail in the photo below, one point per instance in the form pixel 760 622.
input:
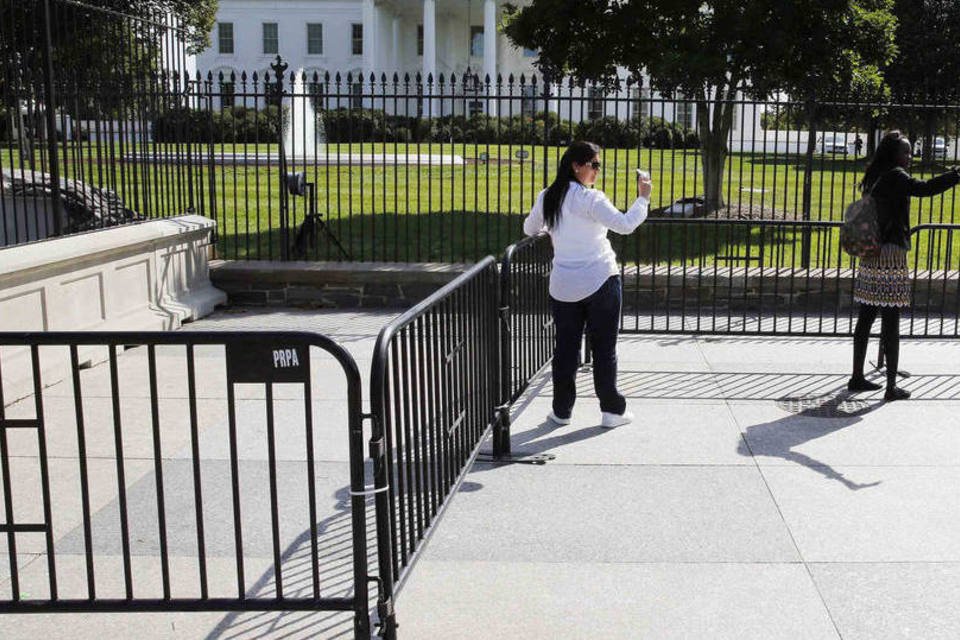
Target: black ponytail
pixel 580 152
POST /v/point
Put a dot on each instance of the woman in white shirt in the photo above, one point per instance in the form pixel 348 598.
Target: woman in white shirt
pixel 585 288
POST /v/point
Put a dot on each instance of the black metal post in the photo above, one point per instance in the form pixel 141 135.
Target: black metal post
pixel 50 105
pixel 280 67
pixel 808 184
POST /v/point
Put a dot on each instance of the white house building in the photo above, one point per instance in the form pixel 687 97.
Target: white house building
pixel 432 37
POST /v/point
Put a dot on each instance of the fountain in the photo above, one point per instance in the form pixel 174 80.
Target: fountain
pixel 304 132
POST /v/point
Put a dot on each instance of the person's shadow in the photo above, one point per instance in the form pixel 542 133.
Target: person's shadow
pixel 817 417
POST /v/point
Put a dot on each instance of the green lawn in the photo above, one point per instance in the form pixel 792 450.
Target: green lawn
pixel 454 213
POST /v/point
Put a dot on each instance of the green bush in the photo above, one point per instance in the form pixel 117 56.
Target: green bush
pixel 241 124
pixel 233 124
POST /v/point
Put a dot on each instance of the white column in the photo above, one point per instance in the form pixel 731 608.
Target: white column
pixel 430 51
pixel 490 49
pixel 369 38
pixel 396 43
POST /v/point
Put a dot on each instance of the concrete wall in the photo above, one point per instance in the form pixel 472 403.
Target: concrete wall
pixel 136 277
pixel 150 276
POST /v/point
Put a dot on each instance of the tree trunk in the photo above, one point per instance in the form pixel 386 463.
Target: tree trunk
pixel 714 128
pixel 929 126
pixel 872 137
pixel 714 159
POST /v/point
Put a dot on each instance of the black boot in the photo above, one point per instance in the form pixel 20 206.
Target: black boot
pixel 890 334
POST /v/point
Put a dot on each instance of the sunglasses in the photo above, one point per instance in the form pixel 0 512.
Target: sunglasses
pixel 595 165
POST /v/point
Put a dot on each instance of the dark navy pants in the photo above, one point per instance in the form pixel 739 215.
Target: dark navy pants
pixel 599 313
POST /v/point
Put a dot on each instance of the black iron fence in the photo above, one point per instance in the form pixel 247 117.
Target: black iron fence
pixel 185 451
pixel 302 163
pixel 771 277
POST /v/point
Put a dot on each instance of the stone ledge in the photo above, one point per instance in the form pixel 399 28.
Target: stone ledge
pixel 331 284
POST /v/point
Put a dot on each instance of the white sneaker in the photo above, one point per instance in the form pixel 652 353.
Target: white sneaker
pixel 554 419
pixel 611 420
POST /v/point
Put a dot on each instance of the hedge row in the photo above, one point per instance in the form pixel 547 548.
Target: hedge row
pixel 240 124
pixel 235 124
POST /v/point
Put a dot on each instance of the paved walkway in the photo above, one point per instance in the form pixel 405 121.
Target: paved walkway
pixel 752 499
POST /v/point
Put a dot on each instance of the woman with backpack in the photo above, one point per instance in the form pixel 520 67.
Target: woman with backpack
pixel 883 281
pixel 585 289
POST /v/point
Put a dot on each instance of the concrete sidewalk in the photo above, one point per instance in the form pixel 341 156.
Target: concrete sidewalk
pixel 753 498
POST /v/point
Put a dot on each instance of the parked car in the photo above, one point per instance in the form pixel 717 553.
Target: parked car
pixel 940 147
pixel 833 143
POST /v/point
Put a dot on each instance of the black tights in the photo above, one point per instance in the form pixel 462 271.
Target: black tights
pixel 889 336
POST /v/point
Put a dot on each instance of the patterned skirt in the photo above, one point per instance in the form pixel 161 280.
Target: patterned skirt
pixel 884 280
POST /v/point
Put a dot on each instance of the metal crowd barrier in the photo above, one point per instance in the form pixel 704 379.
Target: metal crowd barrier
pixel 135 480
pixel 434 393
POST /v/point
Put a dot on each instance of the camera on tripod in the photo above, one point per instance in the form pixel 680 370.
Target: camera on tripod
pixel 306 237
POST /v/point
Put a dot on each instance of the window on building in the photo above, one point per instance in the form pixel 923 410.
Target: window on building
pixel 639 104
pixel 356 38
pixel 528 100
pixel 228 94
pixel 475 107
pixel 314 39
pixel 315 91
pixel 419 39
pixel 529 53
pixel 225 37
pixel 594 103
pixel 356 95
pixel 476 41
pixel 271 38
pixel 683 112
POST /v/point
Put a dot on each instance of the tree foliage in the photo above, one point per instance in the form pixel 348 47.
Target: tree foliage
pixel 713 49
pixel 926 69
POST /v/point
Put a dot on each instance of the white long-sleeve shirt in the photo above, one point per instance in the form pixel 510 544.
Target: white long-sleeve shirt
pixel 582 256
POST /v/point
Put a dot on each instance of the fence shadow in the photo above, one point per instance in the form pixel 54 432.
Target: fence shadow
pixel 335 545
pixel 732 385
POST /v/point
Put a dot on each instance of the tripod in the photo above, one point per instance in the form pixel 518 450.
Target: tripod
pixel 312 222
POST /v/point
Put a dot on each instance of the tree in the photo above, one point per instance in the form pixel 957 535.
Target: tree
pixel 926 68
pixel 104 56
pixel 712 50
